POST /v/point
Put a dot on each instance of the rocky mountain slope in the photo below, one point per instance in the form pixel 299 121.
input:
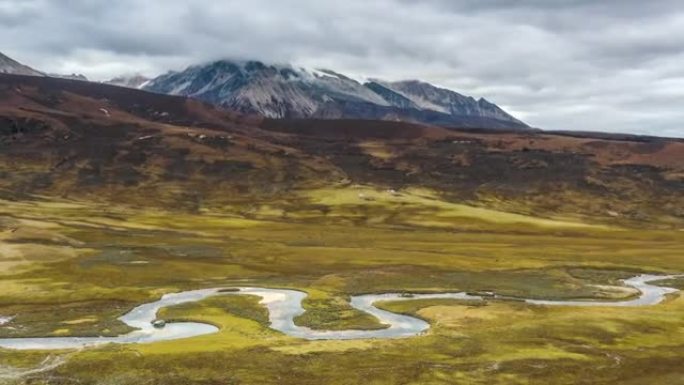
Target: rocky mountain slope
pixel 284 91
pixel 11 66
pixel 88 140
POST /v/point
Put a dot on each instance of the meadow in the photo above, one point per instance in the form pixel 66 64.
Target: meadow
pixel 71 267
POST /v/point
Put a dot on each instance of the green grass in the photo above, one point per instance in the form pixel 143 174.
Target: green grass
pixel 422 207
pixel 332 312
pixel 241 306
pixel 120 257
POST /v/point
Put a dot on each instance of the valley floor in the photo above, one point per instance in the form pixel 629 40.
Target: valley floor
pixel 70 268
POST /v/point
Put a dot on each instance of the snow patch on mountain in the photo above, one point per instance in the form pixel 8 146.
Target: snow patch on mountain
pixel 129 81
pixel 285 91
pixel 74 76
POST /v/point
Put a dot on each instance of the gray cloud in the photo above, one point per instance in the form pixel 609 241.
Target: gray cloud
pixel 612 65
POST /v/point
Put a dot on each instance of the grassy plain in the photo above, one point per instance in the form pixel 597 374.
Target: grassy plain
pixel 71 267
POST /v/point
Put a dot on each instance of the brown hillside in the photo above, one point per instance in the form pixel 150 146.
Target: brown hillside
pixel 88 140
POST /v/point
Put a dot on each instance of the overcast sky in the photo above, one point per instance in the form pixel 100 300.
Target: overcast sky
pixel 605 65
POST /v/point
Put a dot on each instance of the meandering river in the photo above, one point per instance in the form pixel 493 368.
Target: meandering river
pixel 285 305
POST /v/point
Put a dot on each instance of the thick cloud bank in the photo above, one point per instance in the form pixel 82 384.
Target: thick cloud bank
pixel 613 65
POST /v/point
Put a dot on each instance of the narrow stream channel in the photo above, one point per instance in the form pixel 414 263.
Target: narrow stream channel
pixel 285 305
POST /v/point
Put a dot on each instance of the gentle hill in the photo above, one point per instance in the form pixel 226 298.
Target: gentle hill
pixel 78 139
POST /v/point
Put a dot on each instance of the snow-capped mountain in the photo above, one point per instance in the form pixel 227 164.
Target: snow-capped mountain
pixel 132 81
pixel 284 91
pixel 424 96
pixel 11 66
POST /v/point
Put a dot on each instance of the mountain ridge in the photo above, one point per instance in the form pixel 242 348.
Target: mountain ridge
pixel 13 67
pixel 285 91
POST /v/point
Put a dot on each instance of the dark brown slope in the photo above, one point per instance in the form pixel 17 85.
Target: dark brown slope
pixel 81 139
pixel 641 178
pixel 88 140
pixel 51 92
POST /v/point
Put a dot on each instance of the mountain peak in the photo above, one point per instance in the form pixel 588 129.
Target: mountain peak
pixel 285 91
pixel 13 67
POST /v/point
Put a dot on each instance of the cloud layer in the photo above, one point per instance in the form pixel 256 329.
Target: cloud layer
pixel 612 65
